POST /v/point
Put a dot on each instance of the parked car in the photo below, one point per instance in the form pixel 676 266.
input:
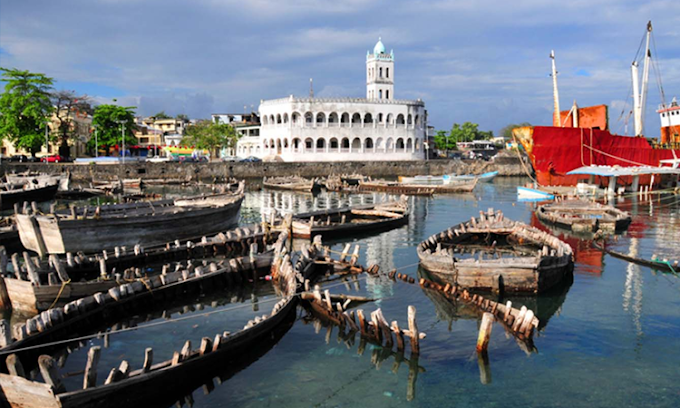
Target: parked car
pixel 55 158
pixel 251 159
pixel 229 159
pixel 21 158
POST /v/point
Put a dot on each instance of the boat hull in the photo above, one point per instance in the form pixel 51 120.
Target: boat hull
pixel 60 236
pixel 554 151
pixel 9 198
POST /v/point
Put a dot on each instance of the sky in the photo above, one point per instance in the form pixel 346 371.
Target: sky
pixel 481 61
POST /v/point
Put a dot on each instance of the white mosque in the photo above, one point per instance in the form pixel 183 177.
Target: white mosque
pixel 377 127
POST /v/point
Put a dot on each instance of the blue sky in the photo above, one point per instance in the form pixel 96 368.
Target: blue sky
pixel 480 61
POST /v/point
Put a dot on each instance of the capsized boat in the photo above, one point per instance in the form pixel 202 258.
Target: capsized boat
pixel 292 183
pixel 494 253
pixel 145 223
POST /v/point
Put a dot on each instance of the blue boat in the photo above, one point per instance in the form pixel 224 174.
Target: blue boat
pixel 532 194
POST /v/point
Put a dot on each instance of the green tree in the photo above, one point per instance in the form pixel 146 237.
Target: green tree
pixel 443 141
pixel 162 115
pixel 468 132
pixel 206 134
pixel 506 132
pixel 106 120
pixel 67 104
pixel 181 116
pixel 25 108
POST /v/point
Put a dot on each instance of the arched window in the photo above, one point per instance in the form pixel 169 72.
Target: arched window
pixel 380 94
pixel 333 119
pixel 272 119
pixel 309 143
pixel 296 144
pixel 285 118
pixel 387 94
pixel 417 121
pixel 390 119
pixel 409 144
pixel 356 145
pixel 285 143
pixel 264 120
pixel 380 144
pixel 410 119
pixel 345 144
pixel 356 119
pixel 387 72
pixel 334 143
pixel 344 119
pixel 272 145
pixel 400 119
pixel 380 118
pixel 368 144
pixel 278 118
pixel 390 144
pixel 309 118
pixel 368 118
pixel 320 144
pixel 400 144
pixel 380 72
pixel 296 119
pixel 417 145
pixel 320 119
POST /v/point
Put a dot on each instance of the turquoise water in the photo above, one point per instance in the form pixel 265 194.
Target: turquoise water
pixel 610 338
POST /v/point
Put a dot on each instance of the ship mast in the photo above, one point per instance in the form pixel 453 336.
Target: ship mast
pixel 556 96
pixel 640 94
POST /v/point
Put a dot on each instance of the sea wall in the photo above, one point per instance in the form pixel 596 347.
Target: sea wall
pixel 505 164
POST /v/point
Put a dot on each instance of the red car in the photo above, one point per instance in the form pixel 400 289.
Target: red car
pixel 54 158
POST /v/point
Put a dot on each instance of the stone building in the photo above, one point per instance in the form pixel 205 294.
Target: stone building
pixel 377 127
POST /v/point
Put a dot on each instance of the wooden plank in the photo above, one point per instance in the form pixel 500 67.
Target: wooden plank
pixel 20 392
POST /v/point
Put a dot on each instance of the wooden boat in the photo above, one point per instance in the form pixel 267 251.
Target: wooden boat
pixel 40 179
pixel 37 288
pixel 519 258
pixel 135 387
pixel 533 194
pixel 654 263
pixel 144 223
pixel 292 183
pixel 395 187
pixel 15 194
pixel 583 216
pixel 347 220
pixel 448 178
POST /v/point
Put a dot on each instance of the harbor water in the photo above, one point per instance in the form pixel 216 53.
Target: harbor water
pixel 610 337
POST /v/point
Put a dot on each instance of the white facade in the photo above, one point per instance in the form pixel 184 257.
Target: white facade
pixel 378 127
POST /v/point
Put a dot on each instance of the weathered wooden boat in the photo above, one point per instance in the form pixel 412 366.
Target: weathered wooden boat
pixel 15 194
pixel 40 179
pixel 125 387
pixel 583 216
pixel 654 263
pixel 141 223
pixel 57 282
pixel 348 220
pixel 520 258
pixel 395 187
pixel 448 178
pixel 292 183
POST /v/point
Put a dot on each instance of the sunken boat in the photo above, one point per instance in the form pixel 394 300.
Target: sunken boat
pixel 583 216
pixel 395 187
pixel 494 253
pixel 292 183
pixel 146 223
pixel 349 220
pixel 11 194
pixel 33 287
pixel 127 387
pixel 40 179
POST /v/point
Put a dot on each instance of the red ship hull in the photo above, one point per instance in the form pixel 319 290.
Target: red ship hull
pixel 554 151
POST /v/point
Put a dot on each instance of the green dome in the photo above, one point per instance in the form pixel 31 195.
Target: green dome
pixel 379 47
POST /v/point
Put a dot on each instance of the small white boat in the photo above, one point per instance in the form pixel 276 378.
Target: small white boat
pixel 448 179
pixel 532 194
pixel 482 178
